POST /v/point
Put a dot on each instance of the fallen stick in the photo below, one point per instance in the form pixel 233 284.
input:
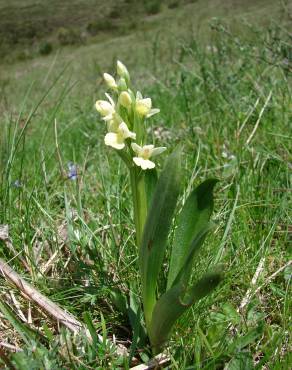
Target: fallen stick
pixel 248 294
pixel 251 293
pixel 271 277
pixel 259 119
pixel 65 318
pixel 46 304
pixel 51 308
pixel 10 347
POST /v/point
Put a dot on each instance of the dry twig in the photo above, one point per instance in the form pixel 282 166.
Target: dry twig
pixel 46 304
pixel 65 318
pixel 51 308
pixel 254 280
pixel 259 118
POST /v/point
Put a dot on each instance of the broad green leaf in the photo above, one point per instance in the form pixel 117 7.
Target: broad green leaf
pixel 174 303
pixel 203 287
pixel 192 219
pixel 185 272
pixel 157 228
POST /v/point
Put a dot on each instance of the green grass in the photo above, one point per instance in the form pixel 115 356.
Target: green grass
pixel 213 89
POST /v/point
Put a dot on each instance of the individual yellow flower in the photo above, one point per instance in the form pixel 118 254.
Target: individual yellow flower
pixel 106 108
pixel 144 153
pixel 117 139
pixel 144 106
pixel 110 81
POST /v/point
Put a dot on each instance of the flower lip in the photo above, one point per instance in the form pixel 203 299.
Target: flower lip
pixel 145 164
pixel 112 139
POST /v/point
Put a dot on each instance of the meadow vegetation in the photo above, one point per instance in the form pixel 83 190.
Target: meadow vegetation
pixel 223 86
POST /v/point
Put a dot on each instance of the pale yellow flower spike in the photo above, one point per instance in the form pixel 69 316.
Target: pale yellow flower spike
pixel 144 153
pixel 117 139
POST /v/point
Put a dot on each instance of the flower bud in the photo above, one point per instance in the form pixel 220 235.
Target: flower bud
pixel 125 99
pixel 122 84
pixel 110 81
pixel 104 107
pixel 122 71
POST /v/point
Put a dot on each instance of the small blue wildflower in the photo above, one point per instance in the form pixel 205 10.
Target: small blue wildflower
pixel 17 184
pixel 72 173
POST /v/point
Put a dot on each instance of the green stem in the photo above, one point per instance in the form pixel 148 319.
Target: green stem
pixel 139 202
pixel 135 202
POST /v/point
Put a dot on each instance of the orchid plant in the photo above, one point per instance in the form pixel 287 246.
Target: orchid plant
pixel 154 201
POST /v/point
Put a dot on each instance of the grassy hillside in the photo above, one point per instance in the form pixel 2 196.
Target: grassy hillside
pixel 30 28
pixel 150 41
pixel 224 90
